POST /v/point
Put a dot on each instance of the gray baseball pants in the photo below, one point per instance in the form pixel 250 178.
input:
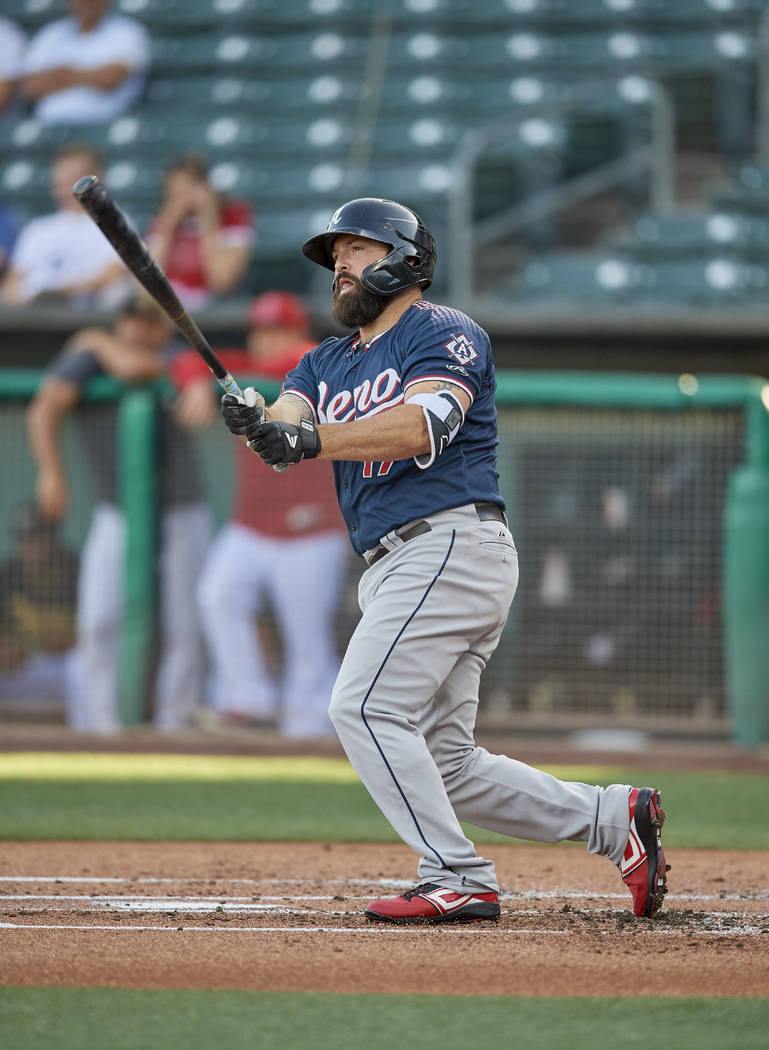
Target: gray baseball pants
pixel 405 702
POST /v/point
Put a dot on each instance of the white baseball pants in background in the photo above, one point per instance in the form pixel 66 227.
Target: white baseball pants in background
pixel 179 685
pixel 302 579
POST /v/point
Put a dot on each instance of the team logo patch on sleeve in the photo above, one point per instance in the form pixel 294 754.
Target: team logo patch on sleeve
pixel 462 350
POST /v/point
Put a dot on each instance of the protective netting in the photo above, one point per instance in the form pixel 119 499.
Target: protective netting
pixel 40 557
pixel 617 516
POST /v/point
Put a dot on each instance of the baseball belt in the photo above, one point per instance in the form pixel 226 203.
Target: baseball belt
pixel 485 511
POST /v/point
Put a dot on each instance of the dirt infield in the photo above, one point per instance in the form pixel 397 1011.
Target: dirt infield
pixel 289 917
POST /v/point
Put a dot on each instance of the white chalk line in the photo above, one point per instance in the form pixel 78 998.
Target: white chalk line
pixel 714 921
pixel 512 895
pixel 264 903
pixel 109 900
pixel 147 880
pixel 377 929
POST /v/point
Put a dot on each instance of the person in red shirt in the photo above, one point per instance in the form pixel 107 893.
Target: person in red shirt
pixel 285 534
pixel 202 241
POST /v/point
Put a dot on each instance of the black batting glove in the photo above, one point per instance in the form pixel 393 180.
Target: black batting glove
pixel 241 418
pixel 281 444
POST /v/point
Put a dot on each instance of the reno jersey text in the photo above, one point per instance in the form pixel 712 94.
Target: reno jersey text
pixel 342 381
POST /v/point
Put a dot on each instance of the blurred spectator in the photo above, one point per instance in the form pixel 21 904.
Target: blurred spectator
pixel 38 583
pixel 134 350
pixel 202 240
pixel 8 233
pixel 64 255
pixel 12 45
pixel 285 537
pixel 88 68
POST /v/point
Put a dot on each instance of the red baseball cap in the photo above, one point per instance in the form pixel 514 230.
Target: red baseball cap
pixel 278 310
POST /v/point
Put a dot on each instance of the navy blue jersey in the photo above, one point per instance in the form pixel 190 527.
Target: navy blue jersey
pixel 343 380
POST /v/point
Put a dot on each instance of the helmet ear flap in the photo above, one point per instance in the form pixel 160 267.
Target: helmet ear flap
pixel 394 272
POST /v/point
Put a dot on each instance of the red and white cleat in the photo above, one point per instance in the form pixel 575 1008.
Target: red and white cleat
pixel 643 868
pixel 429 902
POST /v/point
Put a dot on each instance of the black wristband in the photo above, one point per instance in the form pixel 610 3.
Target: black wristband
pixel 310 438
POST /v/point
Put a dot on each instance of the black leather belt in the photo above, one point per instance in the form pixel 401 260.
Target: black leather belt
pixel 485 511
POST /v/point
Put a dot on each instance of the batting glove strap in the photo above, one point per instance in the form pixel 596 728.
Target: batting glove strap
pixel 281 444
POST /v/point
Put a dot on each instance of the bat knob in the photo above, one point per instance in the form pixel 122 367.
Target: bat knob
pixel 86 187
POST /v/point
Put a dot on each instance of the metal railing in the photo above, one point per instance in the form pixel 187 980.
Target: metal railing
pixel 656 158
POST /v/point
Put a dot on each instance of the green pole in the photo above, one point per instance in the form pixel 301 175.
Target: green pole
pixel 137 455
pixel 746 581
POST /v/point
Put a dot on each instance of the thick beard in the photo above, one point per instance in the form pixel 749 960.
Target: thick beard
pixel 357 308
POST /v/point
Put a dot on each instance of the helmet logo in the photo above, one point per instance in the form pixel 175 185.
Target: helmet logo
pixel 335 218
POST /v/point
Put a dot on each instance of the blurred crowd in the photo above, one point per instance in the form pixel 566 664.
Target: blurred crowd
pixel 81 69
pixel 88 68
pixel 227 652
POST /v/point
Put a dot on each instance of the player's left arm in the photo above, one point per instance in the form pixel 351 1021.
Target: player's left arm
pixel 431 409
pixel 288 433
pixel 422 428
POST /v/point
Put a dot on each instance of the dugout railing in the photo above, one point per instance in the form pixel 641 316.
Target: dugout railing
pixel 640 507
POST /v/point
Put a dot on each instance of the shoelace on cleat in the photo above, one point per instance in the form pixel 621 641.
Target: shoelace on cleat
pixel 423 887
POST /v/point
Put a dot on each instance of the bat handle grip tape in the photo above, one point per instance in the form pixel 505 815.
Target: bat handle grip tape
pixel 229 385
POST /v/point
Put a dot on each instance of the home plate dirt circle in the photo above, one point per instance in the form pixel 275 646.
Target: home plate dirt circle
pixel 290 917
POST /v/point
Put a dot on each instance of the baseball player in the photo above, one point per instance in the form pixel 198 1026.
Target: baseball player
pixel 283 532
pixel 134 350
pixel 404 406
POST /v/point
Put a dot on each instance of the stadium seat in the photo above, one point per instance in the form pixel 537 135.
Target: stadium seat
pixel 459 14
pixel 24 183
pixel 575 278
pixel 705 51
pixel 283 231
pixel 139 178
pixel 223 136
pixel 30 137
pixel 519 52
pixel 749 194
pixel 33 13
pixel 658 237
pixel 752 178
pixel 697 235
pixel 287 183
pixel 245 96
pixel 561 14
pixel 243 52
pixel 185 14
pixel 587 278
pixel 426 50
pixel 713 281
pixel 176 14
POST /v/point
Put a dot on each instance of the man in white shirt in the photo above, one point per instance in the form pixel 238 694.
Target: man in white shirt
pixel 88 68
pixel 64 254
pixel 12 44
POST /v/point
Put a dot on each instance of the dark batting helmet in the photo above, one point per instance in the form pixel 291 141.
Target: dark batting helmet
pixel 391 223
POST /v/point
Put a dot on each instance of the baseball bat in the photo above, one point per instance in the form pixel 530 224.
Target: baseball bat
pixel 97 202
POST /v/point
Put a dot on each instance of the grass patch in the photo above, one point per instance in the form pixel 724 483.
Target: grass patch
pixel 122 1019
pixel 45 765
pixel 216 798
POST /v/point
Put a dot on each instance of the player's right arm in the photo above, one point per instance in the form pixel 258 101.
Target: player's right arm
pixel 54 400
pixel 289 408
pixel 241 418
